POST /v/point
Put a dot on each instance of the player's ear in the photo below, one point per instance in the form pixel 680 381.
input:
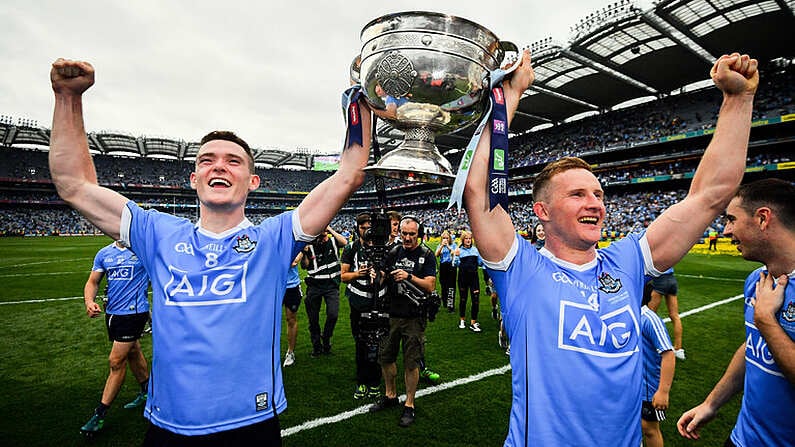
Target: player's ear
pixel 193 180
pixel 254 182
pixel 540 209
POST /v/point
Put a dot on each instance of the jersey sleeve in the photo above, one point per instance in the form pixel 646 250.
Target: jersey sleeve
pixel 429 266
pixel 655 330
pixel 99 265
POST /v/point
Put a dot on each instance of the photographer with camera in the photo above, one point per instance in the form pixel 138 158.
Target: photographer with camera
pixel 366 295
pixel 322 264
pixel 411 276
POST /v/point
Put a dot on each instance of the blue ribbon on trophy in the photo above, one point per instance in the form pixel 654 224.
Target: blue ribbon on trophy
pixel 498 158
pixel 353 117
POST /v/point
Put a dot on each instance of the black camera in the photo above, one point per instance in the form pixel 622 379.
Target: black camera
pixel 379 231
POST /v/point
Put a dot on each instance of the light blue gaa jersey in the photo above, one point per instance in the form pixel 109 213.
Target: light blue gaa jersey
pixel 446 254
pixel 575 343
pixel 127 280
pixel 217 301
pixel 766 414
pixel 655 341
pixel 293 279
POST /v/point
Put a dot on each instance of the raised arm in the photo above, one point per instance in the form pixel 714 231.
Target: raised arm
pixel 493 229
pixel 721 168
pixel 71 166
pixel 327 198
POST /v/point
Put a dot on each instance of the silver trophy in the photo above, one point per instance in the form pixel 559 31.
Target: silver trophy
pixel 426 74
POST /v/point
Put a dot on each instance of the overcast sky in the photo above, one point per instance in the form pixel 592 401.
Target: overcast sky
pixel 272 71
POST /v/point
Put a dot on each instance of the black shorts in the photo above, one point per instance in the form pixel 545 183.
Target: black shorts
pixel 292 298
pixel 266 433
pixel 648 413
pixel 126 328
pixel 665 284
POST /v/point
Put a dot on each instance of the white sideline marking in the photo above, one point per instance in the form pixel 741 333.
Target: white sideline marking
pixel 708 306
pixel 364 408
pixel 710 277
pixel 314 423
pixel 13 266
pixel 13 275
pixel 45 300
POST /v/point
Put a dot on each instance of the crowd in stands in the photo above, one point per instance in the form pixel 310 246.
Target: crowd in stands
pixel 647 122
pixel 628 212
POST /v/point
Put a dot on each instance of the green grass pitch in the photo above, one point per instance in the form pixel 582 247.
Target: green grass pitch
pixel 53 363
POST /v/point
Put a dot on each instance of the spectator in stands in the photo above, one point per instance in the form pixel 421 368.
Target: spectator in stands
pixel 761 223
pixel 126 314
pixel 213 382
pixel 570 286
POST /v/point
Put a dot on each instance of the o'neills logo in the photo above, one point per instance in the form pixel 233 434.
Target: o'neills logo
pixel 354 114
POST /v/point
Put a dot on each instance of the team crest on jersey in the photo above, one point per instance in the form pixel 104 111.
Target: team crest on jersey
pixel 133 258
pixel 244 244
pixel 789 313
pixel 608 284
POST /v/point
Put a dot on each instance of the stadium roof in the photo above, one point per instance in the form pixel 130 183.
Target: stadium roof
pixel 621 53
pixel 613 55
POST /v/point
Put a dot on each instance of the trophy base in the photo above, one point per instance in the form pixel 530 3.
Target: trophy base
pixel 416 160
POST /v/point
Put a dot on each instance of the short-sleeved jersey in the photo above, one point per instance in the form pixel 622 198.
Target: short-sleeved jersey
pixel 127 280
pixel 217 301
pixel 766 414
pixel 421 263
pixel 575 343
pixel 468 259
pixel 293 278
pixel 655 341
pixel 446 255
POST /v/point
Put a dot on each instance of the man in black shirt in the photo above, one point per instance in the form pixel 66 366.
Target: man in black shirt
pixel 407 263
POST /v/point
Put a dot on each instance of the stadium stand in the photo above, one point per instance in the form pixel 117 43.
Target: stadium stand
pixel 644 154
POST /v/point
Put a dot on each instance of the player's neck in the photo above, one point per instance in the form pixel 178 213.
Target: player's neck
pixel 568 253
pixel 220 221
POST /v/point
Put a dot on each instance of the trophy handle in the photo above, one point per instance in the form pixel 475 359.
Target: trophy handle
pixel 355 70
pixel 511 56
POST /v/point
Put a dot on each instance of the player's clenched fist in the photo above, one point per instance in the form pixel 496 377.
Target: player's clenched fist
pixel 735 74
pixel 71 77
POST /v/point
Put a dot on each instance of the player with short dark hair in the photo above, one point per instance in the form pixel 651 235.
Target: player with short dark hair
pixel 761 223
pixel 217 284
pixel 126 314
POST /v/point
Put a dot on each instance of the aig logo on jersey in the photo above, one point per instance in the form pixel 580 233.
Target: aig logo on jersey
pixel 121 273
pixel 614 334
pixel 211 287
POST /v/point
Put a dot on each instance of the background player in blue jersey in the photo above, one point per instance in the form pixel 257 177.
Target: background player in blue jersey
pixel 666 286
pixel 292 301
pixel 659 363
pixel 126 313
pixel 217 284
pixel 761 222
pixel 572 312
